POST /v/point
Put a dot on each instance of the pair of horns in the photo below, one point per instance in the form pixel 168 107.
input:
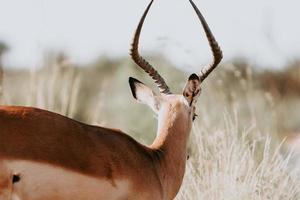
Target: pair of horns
pixel 147 67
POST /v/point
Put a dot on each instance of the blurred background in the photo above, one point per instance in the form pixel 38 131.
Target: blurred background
pixel 71 57
pixel 80 50
pixel 264 32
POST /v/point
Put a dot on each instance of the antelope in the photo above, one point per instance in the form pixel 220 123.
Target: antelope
pixel 48 156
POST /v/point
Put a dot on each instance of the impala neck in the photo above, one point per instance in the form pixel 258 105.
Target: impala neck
pixel 171 146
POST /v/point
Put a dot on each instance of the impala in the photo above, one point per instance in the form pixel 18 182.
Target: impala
pixel 44 155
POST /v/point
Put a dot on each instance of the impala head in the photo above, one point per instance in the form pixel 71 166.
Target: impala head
pixel 183 104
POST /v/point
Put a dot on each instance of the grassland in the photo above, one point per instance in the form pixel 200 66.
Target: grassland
pixel 237 148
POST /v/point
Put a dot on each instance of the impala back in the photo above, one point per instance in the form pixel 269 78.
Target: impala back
pixel 59 158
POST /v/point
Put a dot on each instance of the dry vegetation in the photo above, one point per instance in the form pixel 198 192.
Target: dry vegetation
pixel 236 149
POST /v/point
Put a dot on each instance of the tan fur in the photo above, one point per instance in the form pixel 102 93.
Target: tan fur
pixel 58 157
pixel 5 182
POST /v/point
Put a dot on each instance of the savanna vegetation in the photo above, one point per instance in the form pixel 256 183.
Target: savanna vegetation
pixel 238 147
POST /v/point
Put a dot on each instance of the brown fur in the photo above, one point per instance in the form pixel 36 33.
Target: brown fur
pixel 30 135
pixel 59 158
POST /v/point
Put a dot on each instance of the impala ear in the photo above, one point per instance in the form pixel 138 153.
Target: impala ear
pixel 144 94
pixel 192 89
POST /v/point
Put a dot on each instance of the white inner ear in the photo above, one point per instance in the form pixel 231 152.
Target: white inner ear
pixel 146 96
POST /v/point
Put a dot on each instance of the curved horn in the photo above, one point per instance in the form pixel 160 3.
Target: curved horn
pixel 140 61
pixel 216 50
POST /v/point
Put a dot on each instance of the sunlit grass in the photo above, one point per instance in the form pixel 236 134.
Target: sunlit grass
pixel 236 149
pixel 225 164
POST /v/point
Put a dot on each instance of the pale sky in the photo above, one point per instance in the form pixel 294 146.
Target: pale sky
pixel 266 32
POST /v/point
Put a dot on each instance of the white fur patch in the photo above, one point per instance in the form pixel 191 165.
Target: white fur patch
pixel 41 181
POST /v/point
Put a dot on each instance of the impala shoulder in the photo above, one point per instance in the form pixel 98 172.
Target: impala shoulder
pixel 32 113
pixel 21 110
pixel 16 111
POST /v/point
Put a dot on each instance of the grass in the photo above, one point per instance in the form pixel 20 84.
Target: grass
pixel 236 149
pixel 226 164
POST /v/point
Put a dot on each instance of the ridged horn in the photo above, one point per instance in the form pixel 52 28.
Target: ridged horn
pixel 141 62
pixel 215 48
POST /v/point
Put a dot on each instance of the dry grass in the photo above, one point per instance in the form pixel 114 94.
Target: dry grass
pixel 236 150
pixel 225 164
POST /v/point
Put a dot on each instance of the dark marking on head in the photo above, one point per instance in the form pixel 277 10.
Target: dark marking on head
pixel 192 89
pixel 194 77
pixel 132 82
